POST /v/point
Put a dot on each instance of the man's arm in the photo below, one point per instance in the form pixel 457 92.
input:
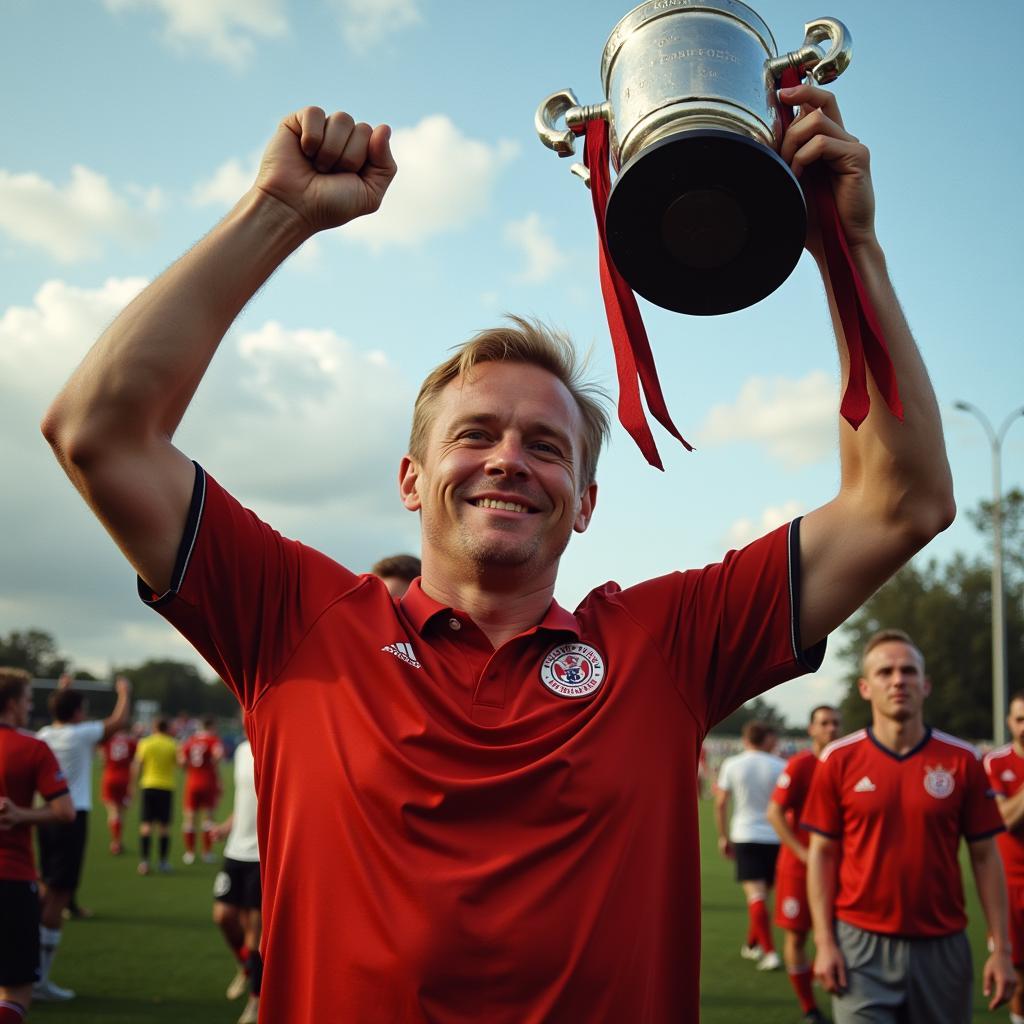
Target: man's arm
pixel 777 819
pixel 1012 809
pixel 1000 979
pixel 822 866
pixel 60 808
pixel 722 821
pixel 896 490
pixel 122 709
pixel 111 426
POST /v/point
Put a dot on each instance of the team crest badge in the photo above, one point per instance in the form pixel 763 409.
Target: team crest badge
pixel 790 907
pixel 784 781
pixel 572 670
pixel 1008 776
pixel 938 782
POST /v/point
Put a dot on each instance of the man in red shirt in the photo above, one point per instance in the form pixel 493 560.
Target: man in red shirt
pixel 1005 769
pixel 118 752
pixel 200 755
pixel 27 767
pixel 792 913
pixel 497 796
pixel 887 807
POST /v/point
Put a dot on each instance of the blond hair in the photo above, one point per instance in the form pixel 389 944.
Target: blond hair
pixel 887 636
pixel 524 341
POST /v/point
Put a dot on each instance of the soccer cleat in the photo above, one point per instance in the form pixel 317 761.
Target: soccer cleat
pixel 164 868
pixel 116 848
pixel 814 1016
pixel 751 952
pixel 48 992
pixel 188 857
pixel 143 867
pixel 769 962
pixel 251 1013
pixel 239 984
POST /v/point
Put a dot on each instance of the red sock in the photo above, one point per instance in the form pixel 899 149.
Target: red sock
pixel 801 979
pixel 242 953
pixel 11 1012
pixel 760 926
pixel 190 840
pixel 207 840
pixel 115 830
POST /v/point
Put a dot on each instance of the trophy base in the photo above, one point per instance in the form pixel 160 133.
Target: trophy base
pixel 706 222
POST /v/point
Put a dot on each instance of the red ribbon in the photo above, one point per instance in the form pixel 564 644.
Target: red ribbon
pixel 634 361
pixel 864 337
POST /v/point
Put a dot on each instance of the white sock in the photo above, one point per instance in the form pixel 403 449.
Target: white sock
pixel 49 940
pixel 1016 1018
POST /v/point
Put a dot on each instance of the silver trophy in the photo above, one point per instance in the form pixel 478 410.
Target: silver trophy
pixel 704 216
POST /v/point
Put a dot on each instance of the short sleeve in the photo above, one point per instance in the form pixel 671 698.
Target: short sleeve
pixel 784 793
pixel 242 594
pixel 822 811
pixel 50 782
pixel 981 817
pixel 90 734
pixel 992 773
pixel 723 781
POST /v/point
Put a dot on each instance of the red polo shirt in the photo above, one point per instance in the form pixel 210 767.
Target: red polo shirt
pixel 898 820
pixel 790 794
pixel 453 833
pixel 1005 770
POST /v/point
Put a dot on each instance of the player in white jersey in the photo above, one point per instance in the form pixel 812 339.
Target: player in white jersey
pixel 749 779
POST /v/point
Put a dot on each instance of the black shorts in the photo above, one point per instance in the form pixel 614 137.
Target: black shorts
pixel 755 862
pixel 62 850
pixel 238 884
pixel 156 806
pixel 19 933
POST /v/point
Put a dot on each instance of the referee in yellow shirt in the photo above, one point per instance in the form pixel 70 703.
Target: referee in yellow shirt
pixel 156 761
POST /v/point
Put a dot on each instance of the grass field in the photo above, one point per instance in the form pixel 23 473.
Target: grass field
pixel 151 954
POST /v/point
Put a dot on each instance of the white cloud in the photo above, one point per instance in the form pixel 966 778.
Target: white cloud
pixel 71 222
pixel 540 251
pixel 796 420
pixel 445 180
pixel 366 22
pixel 226 29
pixel 227 184
pixel 743 531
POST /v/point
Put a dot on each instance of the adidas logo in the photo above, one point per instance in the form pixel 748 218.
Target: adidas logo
pixel 864 786
pixel 1008 776
pixel 403 652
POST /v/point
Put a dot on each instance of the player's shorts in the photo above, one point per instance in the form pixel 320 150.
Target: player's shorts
pixel 892 980
pixel 755 862
pixel 156 806
pixel 114 790
pixel 1015 897
pixel 62 850
pixel 19 933
pixel 238 884
pixel 791 909
pixel 198 798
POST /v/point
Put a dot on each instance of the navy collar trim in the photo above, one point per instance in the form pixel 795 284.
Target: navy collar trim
pixel 892 753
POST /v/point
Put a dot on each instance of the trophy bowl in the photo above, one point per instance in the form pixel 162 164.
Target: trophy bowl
pixel 704 217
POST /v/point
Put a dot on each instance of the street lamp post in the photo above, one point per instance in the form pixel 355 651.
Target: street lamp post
pixel 995 438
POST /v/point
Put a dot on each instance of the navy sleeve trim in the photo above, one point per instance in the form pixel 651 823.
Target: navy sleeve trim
pixel 812 658
pixel 821 831
pixel 53 796
pixel 985 835
pixel 185 549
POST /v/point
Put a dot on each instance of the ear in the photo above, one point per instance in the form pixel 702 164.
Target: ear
pixel 586 509
pixel 408 479
pixel 863 688
pixel 926 685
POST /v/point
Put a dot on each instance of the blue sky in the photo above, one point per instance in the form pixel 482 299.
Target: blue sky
pixel 131 126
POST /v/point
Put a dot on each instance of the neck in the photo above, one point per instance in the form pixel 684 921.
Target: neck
pixel 7 718
pixel 1018 747
pixel 898 736
pixel 817 747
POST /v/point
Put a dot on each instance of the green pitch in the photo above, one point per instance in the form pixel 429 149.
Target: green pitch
pixel 152 954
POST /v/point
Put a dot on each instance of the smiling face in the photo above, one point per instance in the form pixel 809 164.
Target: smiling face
pixel 498 487
pixel 894 681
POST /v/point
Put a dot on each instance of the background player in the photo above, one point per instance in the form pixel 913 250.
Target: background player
pixel 1005 769
pixel 200 756
pixel 397 572
pixel 236 889
pixel 749 778
pixel 156 761
pixel 27 767
pixel 887 807
pixel 118 752
pixel 792 913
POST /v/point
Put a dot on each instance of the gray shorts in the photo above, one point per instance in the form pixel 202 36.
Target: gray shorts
pixel 904 981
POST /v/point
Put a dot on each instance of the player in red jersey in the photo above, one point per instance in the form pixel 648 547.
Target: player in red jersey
pixel 118 753
pixel 200 755
pixel 792 913
pixel 456 775
pixel 887 807
pixel 1005 769
pixel 27 767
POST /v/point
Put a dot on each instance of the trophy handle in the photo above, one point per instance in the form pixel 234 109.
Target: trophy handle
pixel 564 104
pixel 809 60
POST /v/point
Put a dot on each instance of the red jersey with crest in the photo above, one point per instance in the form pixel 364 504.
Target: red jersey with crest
pixel 790 794
pixel 1005 770
pixel 898 820
pixel 455 833
pixel 27 767
pixel 201 753
pixel 118 754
